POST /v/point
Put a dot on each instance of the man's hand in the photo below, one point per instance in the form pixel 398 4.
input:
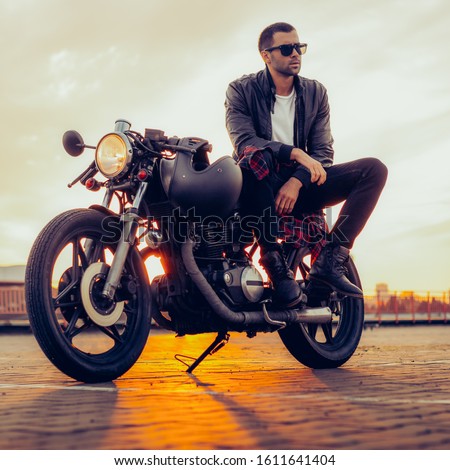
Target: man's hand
pixel 287 196
pixel 318 174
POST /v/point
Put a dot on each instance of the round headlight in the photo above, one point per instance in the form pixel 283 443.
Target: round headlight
pixel 113 155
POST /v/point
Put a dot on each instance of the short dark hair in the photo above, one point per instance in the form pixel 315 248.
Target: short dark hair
pixel 266 37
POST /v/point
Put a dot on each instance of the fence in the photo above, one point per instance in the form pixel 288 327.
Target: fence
pixel 407 307
pixel 12 300
pixel 381 308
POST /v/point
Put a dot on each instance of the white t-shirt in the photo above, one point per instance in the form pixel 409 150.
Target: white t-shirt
pixel 283 119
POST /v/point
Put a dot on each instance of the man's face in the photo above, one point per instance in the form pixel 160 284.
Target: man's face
pixel 289 65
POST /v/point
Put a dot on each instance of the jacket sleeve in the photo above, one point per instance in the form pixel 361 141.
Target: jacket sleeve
pixel 303 175
pixel 319 141
pixel 241 128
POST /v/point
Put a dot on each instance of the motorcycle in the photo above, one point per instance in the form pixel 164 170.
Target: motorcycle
pixel 89 300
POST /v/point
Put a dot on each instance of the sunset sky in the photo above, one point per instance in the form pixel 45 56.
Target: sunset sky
pixel 166 64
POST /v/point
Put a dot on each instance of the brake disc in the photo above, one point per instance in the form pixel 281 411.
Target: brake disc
pixel 101 311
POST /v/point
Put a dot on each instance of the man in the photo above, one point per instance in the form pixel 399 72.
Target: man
pixel 279 124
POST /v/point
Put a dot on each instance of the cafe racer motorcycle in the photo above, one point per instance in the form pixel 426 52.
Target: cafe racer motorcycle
pixel 89 300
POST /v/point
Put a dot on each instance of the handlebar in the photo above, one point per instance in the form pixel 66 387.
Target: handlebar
pixel 90 171
pixel 158 138
pixel 177 147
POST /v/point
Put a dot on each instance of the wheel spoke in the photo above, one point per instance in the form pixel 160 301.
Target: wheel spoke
pixel 129 311
pixel 327 329
pixel 63 293
pixel 71 330
pixel 112 332
pixel 304 270
pixel 75 261
pixel 98 254
pixel 81 253
pixel 312 330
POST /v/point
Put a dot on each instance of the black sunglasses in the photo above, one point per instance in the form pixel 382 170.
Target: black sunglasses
pixel 286 49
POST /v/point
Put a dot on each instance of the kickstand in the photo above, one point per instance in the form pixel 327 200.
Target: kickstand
pixel 220 341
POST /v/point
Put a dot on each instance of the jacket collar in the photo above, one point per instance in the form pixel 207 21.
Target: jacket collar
pixel 270 89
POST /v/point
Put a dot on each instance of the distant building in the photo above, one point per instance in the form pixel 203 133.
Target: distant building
pixel 406 294
pixel 12 274
pixel 12 295
pixel 382 292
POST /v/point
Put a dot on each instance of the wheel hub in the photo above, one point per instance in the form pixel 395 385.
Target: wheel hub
pixel 101 311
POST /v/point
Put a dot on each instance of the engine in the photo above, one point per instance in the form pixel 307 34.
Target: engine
pixel 223 262
pixel 226 266
pixel 237 284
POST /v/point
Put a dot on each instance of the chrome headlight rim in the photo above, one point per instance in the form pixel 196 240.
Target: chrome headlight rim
pixel 127 154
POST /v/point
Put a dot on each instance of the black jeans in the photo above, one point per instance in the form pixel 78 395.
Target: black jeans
pixel 359 183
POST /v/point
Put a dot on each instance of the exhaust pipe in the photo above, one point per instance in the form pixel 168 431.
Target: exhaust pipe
pixel 304 315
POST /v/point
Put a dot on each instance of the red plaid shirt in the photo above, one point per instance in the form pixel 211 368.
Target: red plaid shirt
pixel 304 230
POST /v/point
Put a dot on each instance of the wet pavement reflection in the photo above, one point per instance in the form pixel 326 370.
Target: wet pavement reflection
pixel 393 394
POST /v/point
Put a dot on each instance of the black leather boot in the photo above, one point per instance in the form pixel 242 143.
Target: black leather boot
pixel 329 268
pixel 287 290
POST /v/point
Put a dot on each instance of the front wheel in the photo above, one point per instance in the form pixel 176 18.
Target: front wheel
pixel 82 334
pixel 332 344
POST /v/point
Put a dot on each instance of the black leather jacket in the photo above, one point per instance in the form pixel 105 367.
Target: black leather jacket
pixel 249 103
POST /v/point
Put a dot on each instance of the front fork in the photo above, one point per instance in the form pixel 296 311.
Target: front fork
pixel 130 225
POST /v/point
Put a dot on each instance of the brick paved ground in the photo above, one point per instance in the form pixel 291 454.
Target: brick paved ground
pixel 393 394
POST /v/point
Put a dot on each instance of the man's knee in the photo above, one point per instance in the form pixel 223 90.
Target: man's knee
pixel 376 169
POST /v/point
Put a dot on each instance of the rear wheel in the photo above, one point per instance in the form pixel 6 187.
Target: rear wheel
pixel 332 344
pixel 85 336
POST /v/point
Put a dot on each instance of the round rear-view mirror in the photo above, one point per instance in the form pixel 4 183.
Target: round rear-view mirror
pixel 73 143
